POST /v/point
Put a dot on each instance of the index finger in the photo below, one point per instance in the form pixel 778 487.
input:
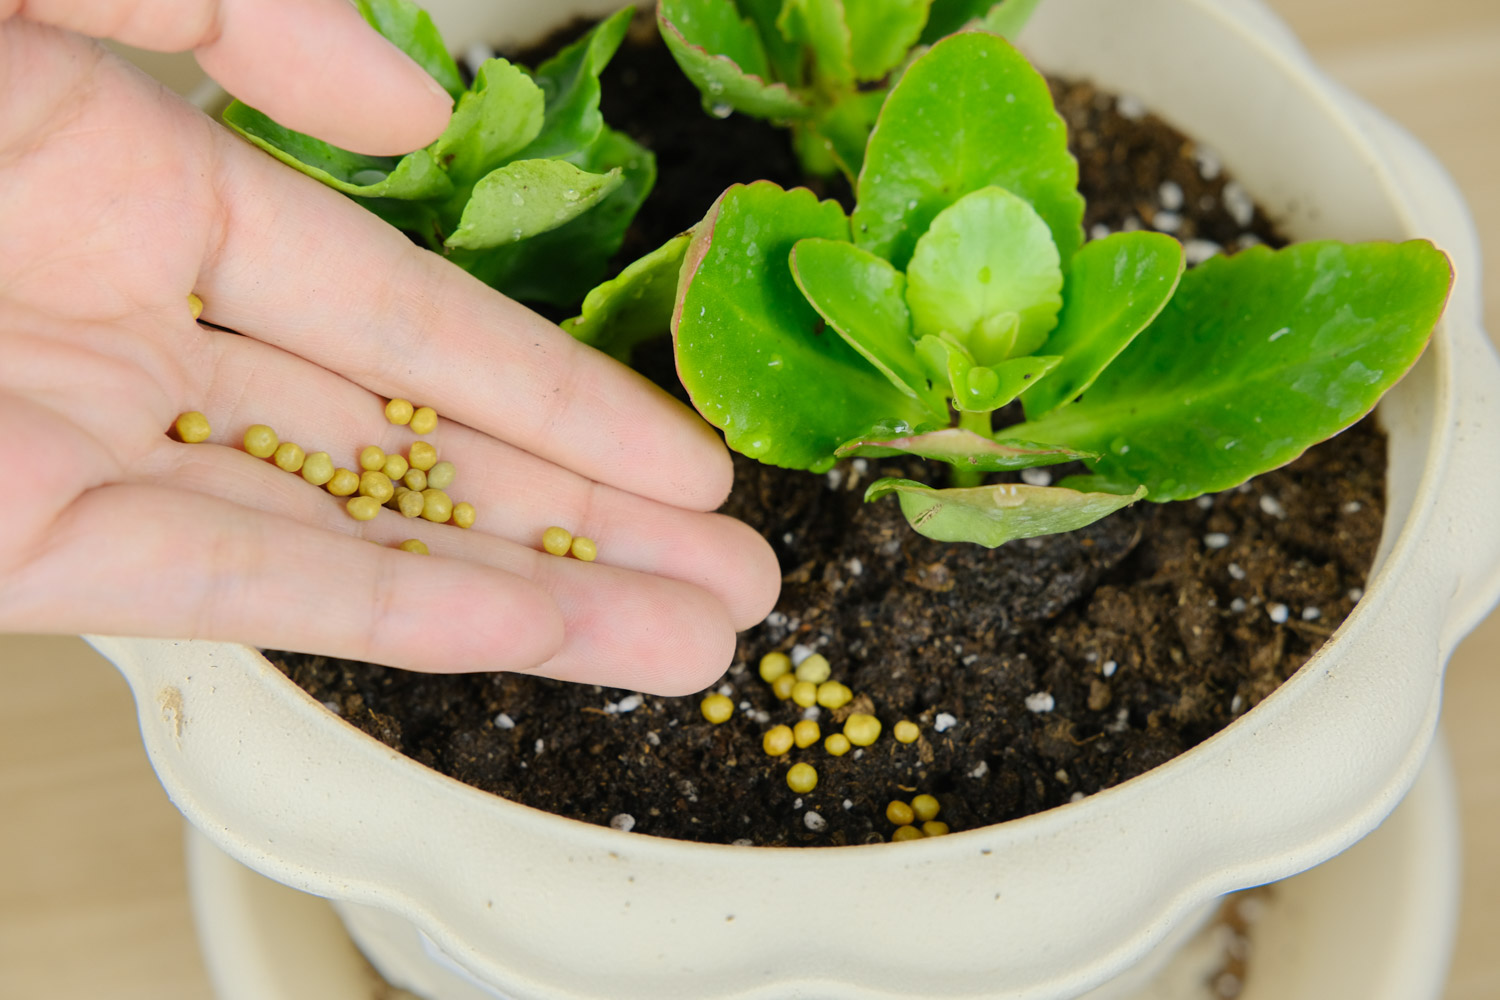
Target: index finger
pixel 305 269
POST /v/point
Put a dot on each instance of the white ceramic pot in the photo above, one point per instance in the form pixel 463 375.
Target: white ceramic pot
pixel 534 906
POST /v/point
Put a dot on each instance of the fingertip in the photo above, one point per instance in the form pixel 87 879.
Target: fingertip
pixel 760 576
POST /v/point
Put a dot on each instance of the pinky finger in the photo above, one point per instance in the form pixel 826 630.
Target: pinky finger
pixel 151 561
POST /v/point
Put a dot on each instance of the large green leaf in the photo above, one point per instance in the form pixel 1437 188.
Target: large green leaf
pixel 994 515
pixel 757 360
pixel 635 305
pixel 970 113
pixel 527 197
pixel 863 298
pixel 415 175
pixel 559 266
pixel 1257 357
pixel 493 121
pixel 986 257
pixel 947 16
pixel 959 447
pixel 725 85
pixel 1114 288
pixel 411 30
pixel 822 27
pixel 570 81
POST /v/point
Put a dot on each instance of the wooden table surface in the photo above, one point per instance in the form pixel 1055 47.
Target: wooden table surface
pixel 93 898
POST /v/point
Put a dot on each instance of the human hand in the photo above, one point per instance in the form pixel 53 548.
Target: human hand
pixel 116 200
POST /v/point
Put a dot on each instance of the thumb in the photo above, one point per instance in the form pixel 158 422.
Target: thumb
pixel 317 67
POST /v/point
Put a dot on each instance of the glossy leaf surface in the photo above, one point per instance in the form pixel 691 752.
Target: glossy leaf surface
pixel 1009 17
pixel 723 82
pixel 994 515
pixel 987 256
pixel 947 16
pixel 756 358
pixel 862 297
pixel 957 446
pixel 823 27
pixel 1114 288
pixel 528 197
pixel 492 122
pixel 570 80
pixel 881 32
pixel 971 113
pixel 785 56
pixel 1257 357
pixel 635 305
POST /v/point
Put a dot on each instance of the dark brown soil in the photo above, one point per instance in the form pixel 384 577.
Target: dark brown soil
pixel 1039 672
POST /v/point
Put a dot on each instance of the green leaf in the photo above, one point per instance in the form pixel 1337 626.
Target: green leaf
pixel 757 360
pixel 411 30
pixel 1009 17
pixel 1257 357
pixel 1114 288
pixel 835 142
pixel 559 266
pixel 570 81
pixel 785 56
pixel 415 175
pixel 821 26
pixel 970 113
pixel 499 117
pixel 948 16
pixel 959 447
pixel 987 257
pixel 994 515
pixel 723 82
pixel 527 197
pixel 881 32
pixel 634 306
pixel 863 298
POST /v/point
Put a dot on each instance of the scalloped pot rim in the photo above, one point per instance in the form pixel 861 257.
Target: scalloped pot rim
pixel 539 906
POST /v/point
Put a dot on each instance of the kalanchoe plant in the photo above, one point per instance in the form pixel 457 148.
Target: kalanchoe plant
pixel 527 188
pixel 961 283
pixel 824 66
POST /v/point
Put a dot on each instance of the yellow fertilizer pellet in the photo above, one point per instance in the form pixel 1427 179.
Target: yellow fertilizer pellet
pixel 399 411
pixel 814 669
pixel 557 540
pixel 716 708
pixel 363 508
pixel 289 457
pixel 805 693
pixel 585 549
pixel 463 515
pixel 195 305
pixel 906 833
pixel 935 828
pixel 424 420
pixel 317 468
pixel 260 441
pixel 415 479
pixel 411 503
pixel 371 458
pixel 440 476
pixel 192 427
pixel 373 483
pixel 862 729
pixel 782 686
pixel 414 545
pixel 899 813
pixel 774 665
pixel 806 733
pixel 926 807
pixel 906 732
pixel 421 455
pixel 802 778
pixel 437 506
pixel 837 744
pixel 395 466
pixel 777 740
pixel 343 482
pixel 833 695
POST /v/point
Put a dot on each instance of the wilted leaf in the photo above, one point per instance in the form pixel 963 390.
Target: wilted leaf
pixel 959 447
pixel 994 515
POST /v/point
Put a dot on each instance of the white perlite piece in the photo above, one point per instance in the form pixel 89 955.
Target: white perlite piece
pixel 1036 477
pixel 653 738
pixel 848 804
pixel 1098 231
pixel 1271 506
pixel 503 721
pixel 477 55
pixel 1076 797
pixel 1216 540
pixel 944 722
pixel 727 690
pixel 1040 701
pixel 1311 614
pixel 629 703
pixel 1235 704
pixel 1236 571
pixel 624 822
pixel 1238 203
pixel 1130 107
pixel 1109 668
pixel 1353 507
pixel 333 707
pixel 799 653
pixel 1170 195
pixel 1196 251
pixel 1166 222
pixel 835 478
pixel 1205 502
pixel 1209 164
pixel 1278 613
pixel 854 566
pixel 814 822
pixel 812 712
pixel 1355 593
pixel 981 770
pixel 540 746
pixel 1237 605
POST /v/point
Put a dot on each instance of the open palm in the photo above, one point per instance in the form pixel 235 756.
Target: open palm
pixel 116 200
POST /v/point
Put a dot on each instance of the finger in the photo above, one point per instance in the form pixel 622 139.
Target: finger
pixel 144 560
pixel 517 495
pixel 621 628
pixel 304 269
pixel 313 65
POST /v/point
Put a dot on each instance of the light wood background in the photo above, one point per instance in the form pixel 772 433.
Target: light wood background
pixel 93 899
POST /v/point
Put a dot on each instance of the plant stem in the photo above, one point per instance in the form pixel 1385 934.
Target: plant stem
pixel 978 423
